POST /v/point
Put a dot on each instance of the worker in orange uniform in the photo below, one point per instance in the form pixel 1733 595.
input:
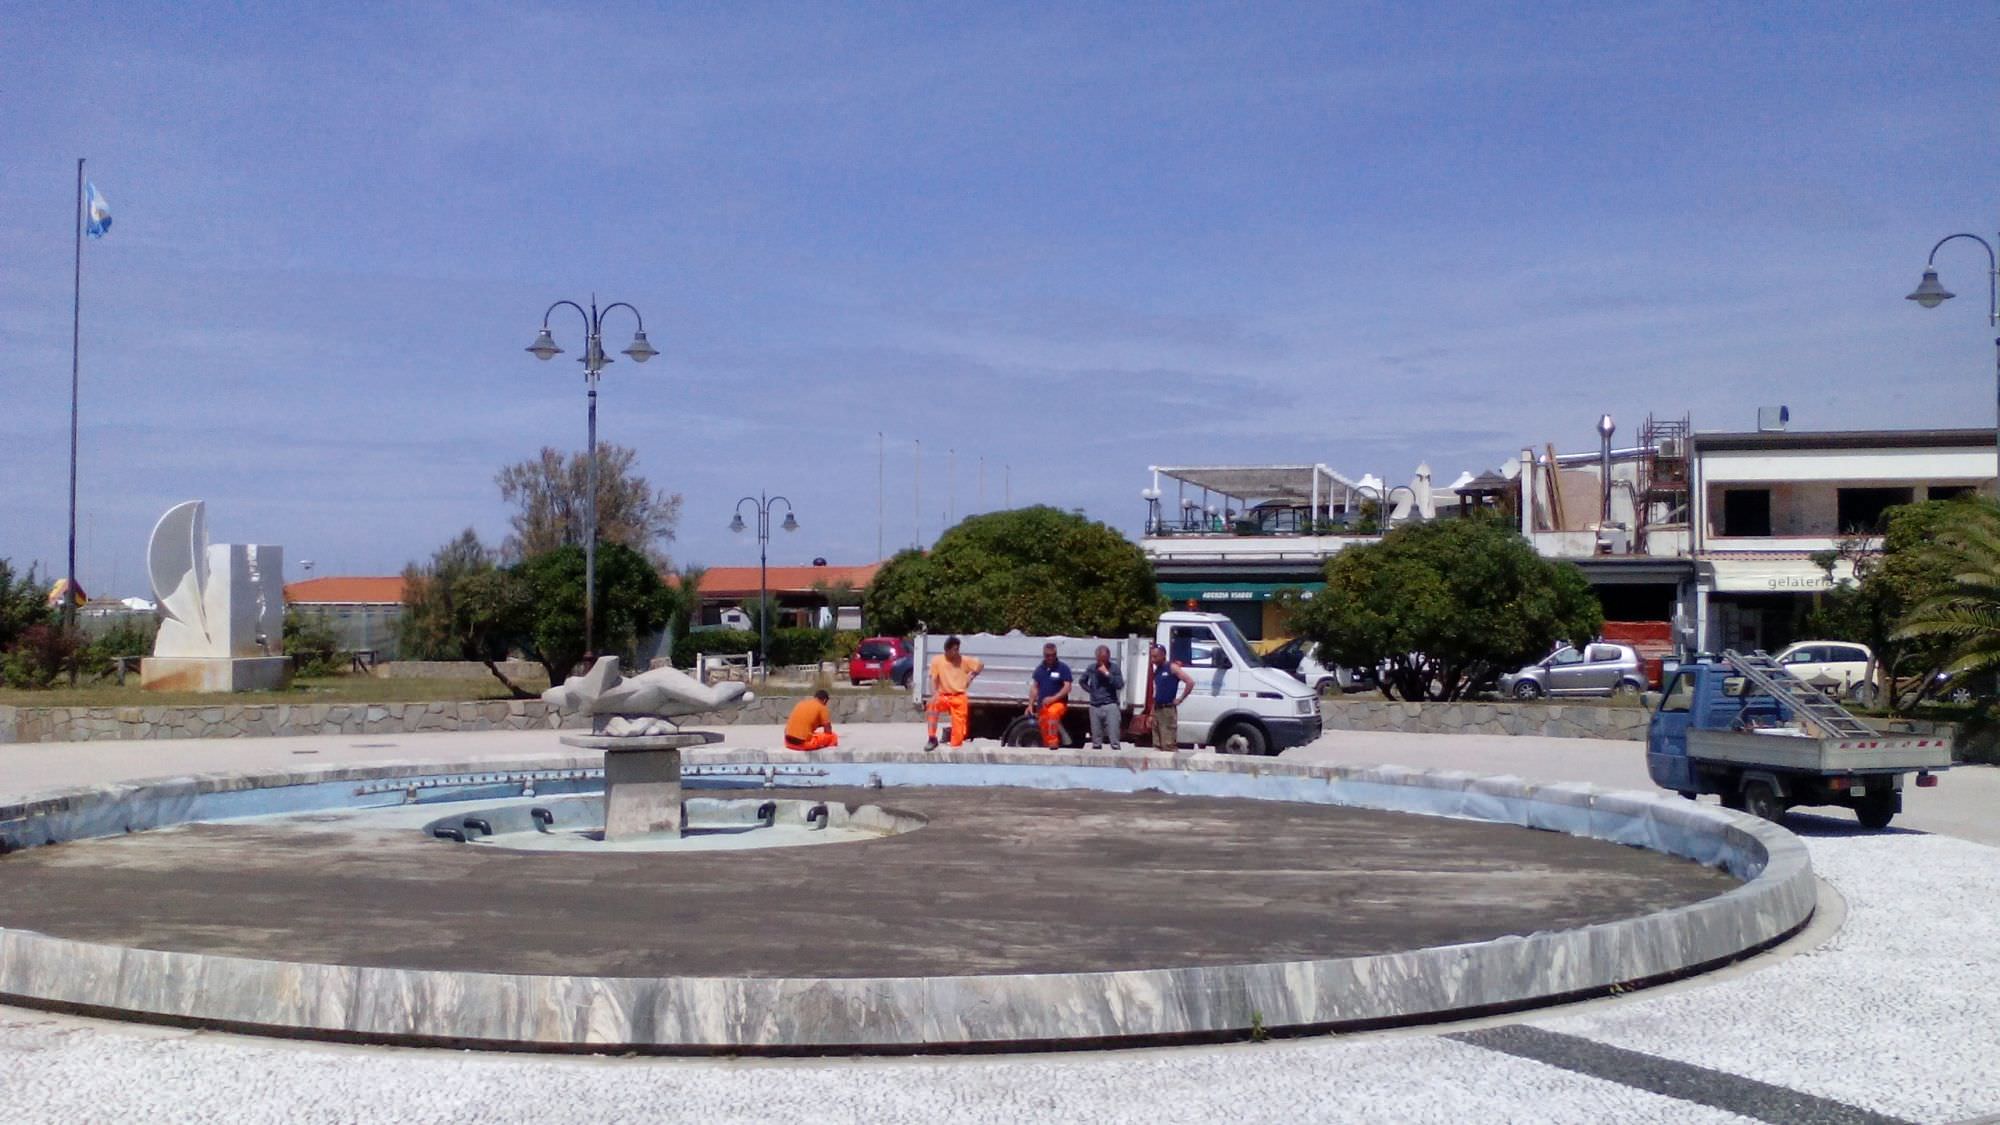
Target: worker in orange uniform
pixel 810 726
pixel 1048 696
pixel 951 677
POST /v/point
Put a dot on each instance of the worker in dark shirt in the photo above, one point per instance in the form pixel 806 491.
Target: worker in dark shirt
pixel 1102 684
pixel 1048 696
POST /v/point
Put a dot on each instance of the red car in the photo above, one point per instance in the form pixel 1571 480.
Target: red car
pixel 874 657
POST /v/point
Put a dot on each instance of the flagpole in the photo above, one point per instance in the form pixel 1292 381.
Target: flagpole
pixel 75 336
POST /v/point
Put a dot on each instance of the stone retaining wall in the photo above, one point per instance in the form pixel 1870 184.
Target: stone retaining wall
pixel 235 720
pixel 454 670
pixel 1557 720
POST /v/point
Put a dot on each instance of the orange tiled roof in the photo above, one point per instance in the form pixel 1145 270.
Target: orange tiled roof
pixel 333 590
pixel 741 581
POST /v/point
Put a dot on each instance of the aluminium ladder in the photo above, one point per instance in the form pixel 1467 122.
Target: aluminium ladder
pixel 1806 701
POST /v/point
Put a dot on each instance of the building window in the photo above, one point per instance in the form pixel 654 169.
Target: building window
pixel 1952 491
pixel 1746 511
pixel 1861 508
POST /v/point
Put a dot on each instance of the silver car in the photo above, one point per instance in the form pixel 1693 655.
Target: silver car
pixel 1599 668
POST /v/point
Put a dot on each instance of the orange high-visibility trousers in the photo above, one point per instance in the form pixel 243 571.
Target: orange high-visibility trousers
pixel 817 740
pixel 955 704
pixel 1050 718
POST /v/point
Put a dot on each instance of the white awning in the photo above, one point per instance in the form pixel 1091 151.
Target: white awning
pixel 1774 576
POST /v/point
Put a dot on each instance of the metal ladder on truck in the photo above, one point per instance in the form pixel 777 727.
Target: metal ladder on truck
pixel 1806 701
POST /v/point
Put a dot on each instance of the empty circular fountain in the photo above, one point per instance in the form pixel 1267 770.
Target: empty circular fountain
pixel 1048 899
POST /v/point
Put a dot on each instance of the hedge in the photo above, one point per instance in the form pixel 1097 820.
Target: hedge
pixel 788 646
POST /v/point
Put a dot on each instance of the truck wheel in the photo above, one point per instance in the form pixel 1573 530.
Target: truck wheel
pixel 1327 686
pixel 1876 811
pixel 1024 732
pixel 1242 738
pixel 1527 689
pixel 1761 801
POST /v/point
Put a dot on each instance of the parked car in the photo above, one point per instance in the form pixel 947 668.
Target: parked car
pixel 1839 668
pixel 875 658
pixel 1299 659
pixel 1596 669
pixel 901 670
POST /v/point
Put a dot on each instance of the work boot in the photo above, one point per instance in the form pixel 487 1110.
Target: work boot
pixel 930 745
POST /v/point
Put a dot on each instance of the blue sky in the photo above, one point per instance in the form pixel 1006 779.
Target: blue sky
pixel 1074 240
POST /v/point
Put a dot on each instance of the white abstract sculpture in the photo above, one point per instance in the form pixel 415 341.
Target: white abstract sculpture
pixel 645 701
pixel 222 609
pixel 216 601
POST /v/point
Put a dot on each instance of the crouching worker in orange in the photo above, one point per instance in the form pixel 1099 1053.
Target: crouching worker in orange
pixel 811 725
pixel 951 677
pixel 1048 696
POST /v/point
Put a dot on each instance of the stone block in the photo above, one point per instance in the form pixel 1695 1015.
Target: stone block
pixel 216 674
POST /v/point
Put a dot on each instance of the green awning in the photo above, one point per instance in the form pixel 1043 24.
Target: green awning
pixel 1178 592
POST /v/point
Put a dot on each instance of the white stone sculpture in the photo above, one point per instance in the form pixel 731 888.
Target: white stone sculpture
pixel 661 694
pixel 222 608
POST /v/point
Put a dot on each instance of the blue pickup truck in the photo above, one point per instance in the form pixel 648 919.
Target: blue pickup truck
pixel 1744 728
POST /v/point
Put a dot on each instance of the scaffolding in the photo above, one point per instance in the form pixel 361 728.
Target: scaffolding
pixel 1663 474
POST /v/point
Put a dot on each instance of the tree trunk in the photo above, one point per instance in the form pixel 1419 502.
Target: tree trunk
pixel 516 689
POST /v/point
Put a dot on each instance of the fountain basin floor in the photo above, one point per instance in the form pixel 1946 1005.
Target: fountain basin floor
pixel 999 881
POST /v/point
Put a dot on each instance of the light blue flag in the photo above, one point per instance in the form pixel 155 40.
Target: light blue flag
pixel 97 212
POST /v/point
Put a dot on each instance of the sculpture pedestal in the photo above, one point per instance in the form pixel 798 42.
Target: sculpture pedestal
pixel 215 673
pixel 642 779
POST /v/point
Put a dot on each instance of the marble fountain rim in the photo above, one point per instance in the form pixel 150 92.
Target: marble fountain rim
pixel 802 1015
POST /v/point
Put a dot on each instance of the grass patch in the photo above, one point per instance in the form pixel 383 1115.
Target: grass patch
pixel 315 689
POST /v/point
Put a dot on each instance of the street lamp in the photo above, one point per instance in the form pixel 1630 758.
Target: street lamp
pixel 1930 294
pixel 761 504
pixel 1384 501
pixel 639 351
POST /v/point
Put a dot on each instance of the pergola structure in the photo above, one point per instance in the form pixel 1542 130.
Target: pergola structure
pixel 1226 490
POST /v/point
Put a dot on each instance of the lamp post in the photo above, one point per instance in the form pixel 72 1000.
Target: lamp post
pixel 1384 496
pixel 1151 496
pixel 544 348
pixel 761 504
pixel 1930 295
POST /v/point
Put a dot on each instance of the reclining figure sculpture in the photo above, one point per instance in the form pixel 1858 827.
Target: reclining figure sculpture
pixel 645 704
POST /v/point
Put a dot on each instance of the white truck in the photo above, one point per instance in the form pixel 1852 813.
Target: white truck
pixel 1238 706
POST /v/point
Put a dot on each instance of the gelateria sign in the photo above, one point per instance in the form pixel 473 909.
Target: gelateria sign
pixel 1776 576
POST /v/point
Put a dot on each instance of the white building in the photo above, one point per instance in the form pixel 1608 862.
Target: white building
pixel 1713 534
pixel 1717 531
pixel 1764 503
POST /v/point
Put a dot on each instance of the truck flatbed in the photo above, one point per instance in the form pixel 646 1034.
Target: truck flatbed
pixel 1828 756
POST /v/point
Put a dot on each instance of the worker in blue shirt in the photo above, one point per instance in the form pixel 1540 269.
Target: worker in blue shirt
pixel 1048 696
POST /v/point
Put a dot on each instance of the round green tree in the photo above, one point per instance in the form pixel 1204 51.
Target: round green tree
pixel 1444 607
pixel 632 602
pixel 1039 570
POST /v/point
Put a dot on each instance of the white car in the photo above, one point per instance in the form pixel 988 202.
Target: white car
pixel 1838 668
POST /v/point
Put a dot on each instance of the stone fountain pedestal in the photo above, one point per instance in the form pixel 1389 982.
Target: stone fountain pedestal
pixel 642 779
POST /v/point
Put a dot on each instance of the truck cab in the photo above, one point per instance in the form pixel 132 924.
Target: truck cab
pixel 1237 705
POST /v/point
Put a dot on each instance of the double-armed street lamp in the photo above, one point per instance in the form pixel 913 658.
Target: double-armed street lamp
pixel 761 504
pixel 593 360
pixel 1930 295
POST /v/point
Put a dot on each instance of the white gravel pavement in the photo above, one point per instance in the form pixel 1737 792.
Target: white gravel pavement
pixel 58 1070
pixel 1897 1013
